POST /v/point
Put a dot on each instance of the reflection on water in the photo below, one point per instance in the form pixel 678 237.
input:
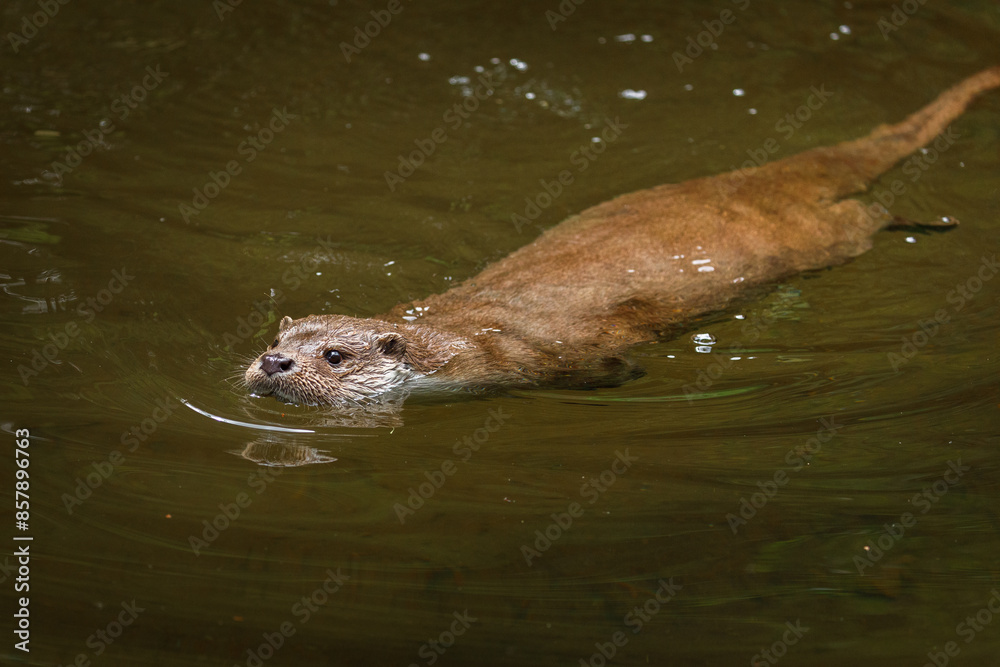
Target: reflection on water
pixel 281 454
pixel 741 525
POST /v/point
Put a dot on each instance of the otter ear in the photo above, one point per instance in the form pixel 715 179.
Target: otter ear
pixel 286 322
pixel 391 344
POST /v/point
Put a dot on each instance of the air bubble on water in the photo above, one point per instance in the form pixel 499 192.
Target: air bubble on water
pixel 703 339
pixel 630 94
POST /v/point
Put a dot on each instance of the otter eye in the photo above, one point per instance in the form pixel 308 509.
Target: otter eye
pixel 275 343
pixel 333 356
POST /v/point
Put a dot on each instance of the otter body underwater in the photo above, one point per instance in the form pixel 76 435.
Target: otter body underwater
pixel 630 270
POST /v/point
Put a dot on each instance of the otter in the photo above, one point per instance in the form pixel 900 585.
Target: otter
pixel 633 269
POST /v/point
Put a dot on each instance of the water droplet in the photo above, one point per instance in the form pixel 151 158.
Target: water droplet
pixel 703 339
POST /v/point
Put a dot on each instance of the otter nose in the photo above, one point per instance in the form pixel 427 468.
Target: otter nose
pixel 275 363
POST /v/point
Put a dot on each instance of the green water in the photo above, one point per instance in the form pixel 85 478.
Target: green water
pixel 143 292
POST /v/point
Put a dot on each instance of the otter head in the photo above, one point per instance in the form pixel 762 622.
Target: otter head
pixel 337 360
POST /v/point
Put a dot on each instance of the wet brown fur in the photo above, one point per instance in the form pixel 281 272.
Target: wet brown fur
pixel 622 272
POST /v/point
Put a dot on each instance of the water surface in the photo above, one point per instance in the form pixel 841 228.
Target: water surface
pixel 808 485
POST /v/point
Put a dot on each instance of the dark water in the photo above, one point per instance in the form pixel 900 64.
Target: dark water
pixel 829 496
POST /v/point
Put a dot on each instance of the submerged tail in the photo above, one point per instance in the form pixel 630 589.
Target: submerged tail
pixel 851 166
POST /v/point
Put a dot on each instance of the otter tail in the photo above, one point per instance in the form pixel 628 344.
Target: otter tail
pixel 851 166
